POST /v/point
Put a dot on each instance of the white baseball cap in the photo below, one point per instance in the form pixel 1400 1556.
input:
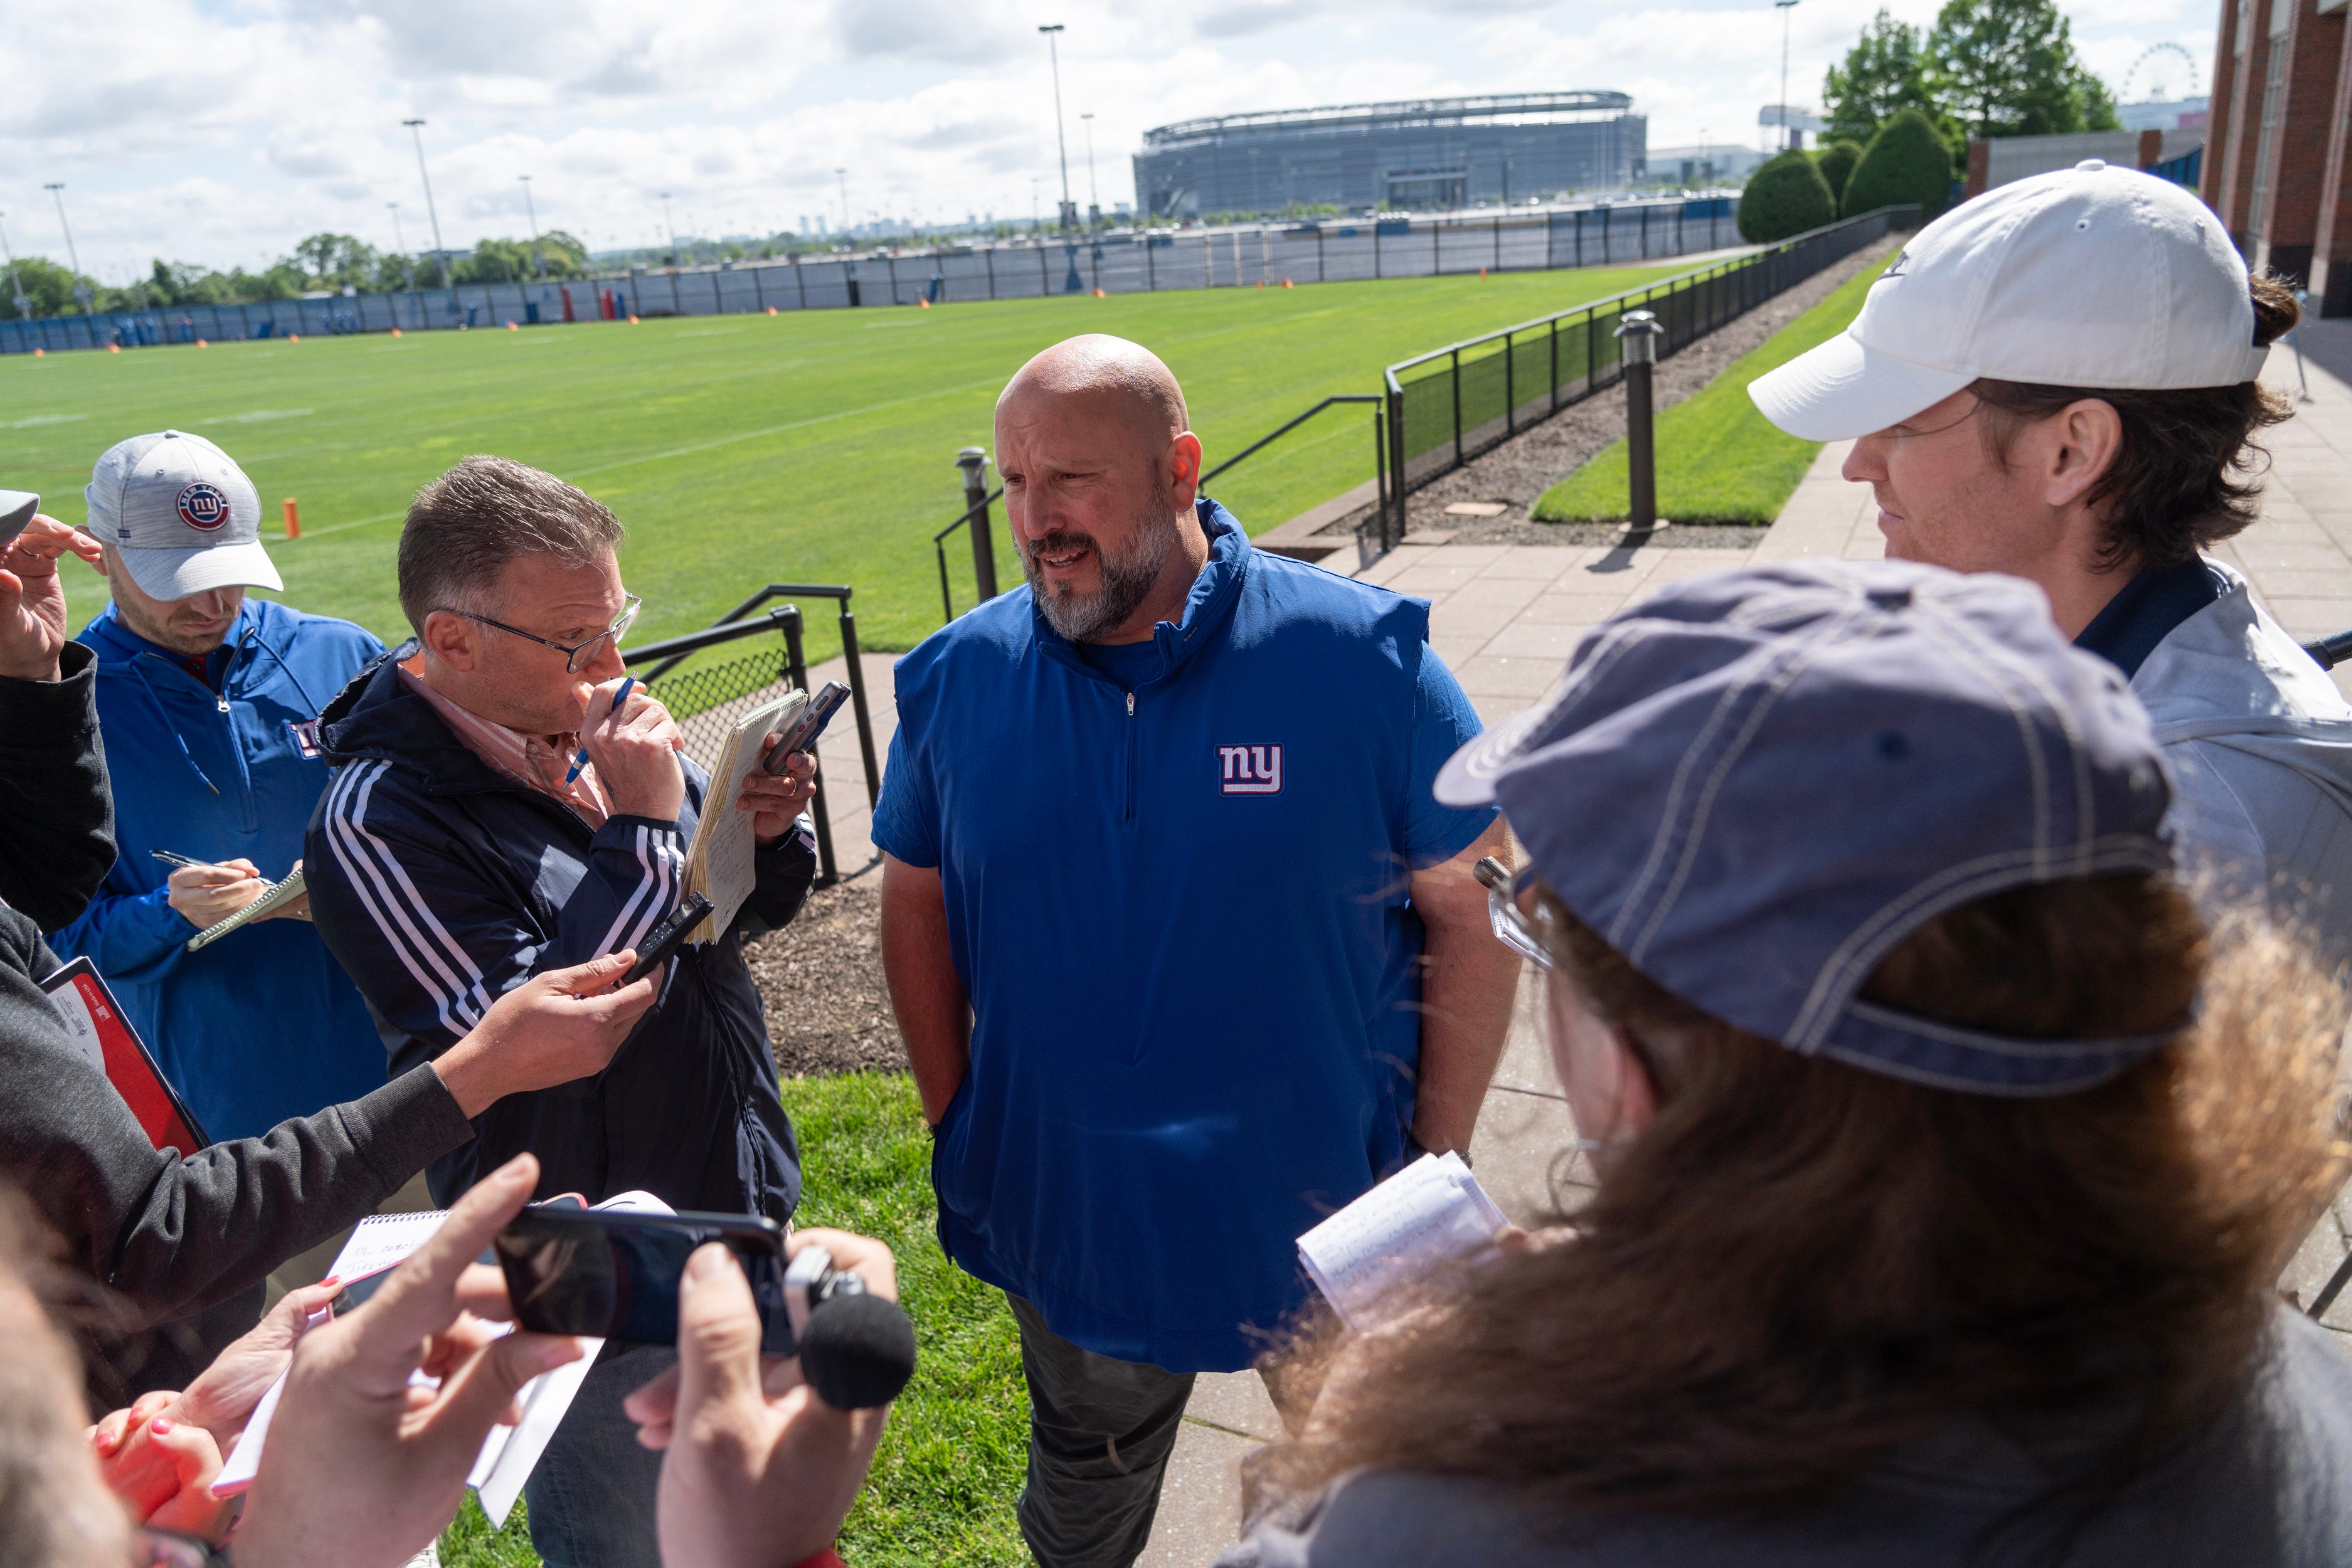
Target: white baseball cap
pixel 2093 277
pixel 180 515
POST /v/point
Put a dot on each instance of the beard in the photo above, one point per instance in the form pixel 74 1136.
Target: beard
pixel 1127 577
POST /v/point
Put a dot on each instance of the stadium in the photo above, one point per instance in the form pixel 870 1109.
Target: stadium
pixel 1425 154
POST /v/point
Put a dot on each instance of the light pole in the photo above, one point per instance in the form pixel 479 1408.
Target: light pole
pixel 400 240
pixel 1094 192
pixel 1788 132
pixel 22 301
pixel 673 231
pixel 842 177
pixel 537 253
pixel 440 256
pixel 57 189
pixel 1054 54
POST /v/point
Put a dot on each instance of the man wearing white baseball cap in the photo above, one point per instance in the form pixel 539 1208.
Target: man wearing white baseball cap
pixel 208 702
pixel 2057 381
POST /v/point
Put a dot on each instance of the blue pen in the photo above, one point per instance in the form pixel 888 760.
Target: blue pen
pixel 581 761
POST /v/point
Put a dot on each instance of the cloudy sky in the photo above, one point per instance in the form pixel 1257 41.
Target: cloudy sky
pixel 221 131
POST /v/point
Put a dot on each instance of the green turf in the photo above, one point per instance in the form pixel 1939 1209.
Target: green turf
pixel 813 446
pixel 944 1481
pixel 1718 459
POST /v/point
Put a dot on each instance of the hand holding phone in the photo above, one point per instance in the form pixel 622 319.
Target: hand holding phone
pixel 803 733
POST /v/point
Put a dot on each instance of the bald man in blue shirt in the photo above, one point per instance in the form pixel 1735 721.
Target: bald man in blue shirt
pixel 1185 953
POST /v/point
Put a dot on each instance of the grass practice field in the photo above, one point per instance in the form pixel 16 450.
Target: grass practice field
pixel 1718 459
pixel 740 450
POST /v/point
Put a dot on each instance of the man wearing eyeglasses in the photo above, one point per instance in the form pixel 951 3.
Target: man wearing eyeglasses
pixel 465 847
pixel 208 705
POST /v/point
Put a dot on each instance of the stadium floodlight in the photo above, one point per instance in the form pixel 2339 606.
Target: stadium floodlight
pixel 1789 133
pixel 537 253
pixel 1054 55
pixel 81 290
pixel 673 231
pixel 440 256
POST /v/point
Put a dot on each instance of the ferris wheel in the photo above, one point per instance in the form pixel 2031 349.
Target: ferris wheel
pixel 2160 76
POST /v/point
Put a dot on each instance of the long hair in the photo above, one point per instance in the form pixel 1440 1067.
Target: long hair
pixel 1797 1265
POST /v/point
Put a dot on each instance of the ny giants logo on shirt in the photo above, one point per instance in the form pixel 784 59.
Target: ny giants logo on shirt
pixel 1250 770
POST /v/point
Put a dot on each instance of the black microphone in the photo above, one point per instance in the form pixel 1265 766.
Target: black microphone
pixel 857 1351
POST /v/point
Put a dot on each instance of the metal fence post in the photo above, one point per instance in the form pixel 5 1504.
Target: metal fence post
pixel 1376 247
pixel 973 461
pixel 1637 331
pixel 1455 382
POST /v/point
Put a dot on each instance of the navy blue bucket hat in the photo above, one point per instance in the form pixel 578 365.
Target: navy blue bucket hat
pixel 1753 785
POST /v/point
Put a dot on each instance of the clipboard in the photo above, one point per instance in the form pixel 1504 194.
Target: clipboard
pixel 275 896
pixel 95 1021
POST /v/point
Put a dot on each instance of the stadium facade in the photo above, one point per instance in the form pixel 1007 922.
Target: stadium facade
pixel 1434 154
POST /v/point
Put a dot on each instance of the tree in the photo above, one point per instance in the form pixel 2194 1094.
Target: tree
pixel 49 286
pixel 1908 161
pixel 1836 163
pixel 1885 70
pixel 332 260
pixel 1786 196
pixel 2008 67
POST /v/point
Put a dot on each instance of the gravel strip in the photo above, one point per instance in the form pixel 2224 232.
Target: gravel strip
pixel 1519 470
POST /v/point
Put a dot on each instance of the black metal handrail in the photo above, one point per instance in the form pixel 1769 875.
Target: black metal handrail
pixel 1380 469
pixel 669 652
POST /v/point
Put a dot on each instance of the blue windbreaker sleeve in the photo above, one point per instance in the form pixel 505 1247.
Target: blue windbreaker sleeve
pixel 128 936
pixel 1443 722
pixel 434 932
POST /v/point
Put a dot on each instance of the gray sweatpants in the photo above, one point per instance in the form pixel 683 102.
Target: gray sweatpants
pixel 1100 1431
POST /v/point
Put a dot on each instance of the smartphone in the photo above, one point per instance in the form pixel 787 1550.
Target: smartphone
pixel 602 1274
pixel 16 510
pixel 803 733
pixel 665 938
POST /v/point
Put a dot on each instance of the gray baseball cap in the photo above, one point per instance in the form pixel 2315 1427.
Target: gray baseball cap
pixel 16 510
pixel 181 515
pixel 1754 785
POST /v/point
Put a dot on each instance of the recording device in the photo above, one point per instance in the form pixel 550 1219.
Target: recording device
pixel 614 1275
pixel 666 938
pixel 803 733
pixel 16 510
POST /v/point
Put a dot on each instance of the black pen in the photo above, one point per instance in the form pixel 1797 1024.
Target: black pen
pixel 181 861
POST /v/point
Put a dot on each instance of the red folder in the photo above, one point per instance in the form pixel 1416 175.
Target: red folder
pixel 98 1026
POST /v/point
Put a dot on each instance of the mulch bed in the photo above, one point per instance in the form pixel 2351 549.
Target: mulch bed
pixel 820 976
pixel 1519 470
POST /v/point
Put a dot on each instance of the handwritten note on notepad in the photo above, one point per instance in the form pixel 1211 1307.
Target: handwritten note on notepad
pixel 719 863
pixel 1431 1211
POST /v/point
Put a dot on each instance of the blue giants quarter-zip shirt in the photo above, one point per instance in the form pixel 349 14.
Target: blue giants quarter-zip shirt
pixel 1177 878
pixel 263 1024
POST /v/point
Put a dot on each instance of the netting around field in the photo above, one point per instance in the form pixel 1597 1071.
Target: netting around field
pixel 708 701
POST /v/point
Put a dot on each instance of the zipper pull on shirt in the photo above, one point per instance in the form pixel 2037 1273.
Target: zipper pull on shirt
pixel 1131 704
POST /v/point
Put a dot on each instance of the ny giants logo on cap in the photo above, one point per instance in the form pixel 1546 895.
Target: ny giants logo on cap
pixel 202 506
pixel 1250 770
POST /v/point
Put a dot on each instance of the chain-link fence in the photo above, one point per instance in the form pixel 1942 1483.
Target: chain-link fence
pixel 1400 245
pixel 708 701
pixel 1446 407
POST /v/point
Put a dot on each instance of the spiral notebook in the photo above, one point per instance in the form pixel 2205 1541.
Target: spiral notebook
pixel 509 1453
pixel 1430 1212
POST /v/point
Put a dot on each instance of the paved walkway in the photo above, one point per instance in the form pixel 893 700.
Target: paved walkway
pixel 1506 617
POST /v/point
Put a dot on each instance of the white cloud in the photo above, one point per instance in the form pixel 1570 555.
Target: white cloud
pixel 232 130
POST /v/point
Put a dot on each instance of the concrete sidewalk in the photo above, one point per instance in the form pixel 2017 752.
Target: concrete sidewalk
pixel 1506 617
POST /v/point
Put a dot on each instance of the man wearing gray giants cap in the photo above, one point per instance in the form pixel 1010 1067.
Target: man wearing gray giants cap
pixel 2058 381
pixel 208 703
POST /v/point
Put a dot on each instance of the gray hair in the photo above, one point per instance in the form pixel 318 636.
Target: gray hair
pixel 465 526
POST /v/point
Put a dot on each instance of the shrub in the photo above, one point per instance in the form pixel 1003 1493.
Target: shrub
pixel 1786 196
pixel 1836 163
pixel 1907 161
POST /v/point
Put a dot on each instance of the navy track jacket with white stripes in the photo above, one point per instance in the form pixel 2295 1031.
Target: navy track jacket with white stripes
pixel 439 883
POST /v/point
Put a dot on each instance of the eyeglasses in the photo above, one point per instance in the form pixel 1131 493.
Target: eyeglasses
pixel 578 654
pixel 1511 927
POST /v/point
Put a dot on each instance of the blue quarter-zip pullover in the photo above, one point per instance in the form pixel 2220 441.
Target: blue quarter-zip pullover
pixel 262 1025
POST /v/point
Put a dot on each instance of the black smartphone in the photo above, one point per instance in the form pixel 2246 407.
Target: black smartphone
pixel 607 1274
pixel 803 733
pixel 665 938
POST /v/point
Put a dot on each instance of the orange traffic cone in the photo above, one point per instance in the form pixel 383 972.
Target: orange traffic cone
pixel 772 310
pixel 114 348
pixel 202 344
pixel 293 521
pixel 395 331
pixel 293 337
pixel 513 328
pixel 919 300
pixel 1482 272
pixel 40 353
pixel 633 321
pixel 1285 282
pixel 1100 295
